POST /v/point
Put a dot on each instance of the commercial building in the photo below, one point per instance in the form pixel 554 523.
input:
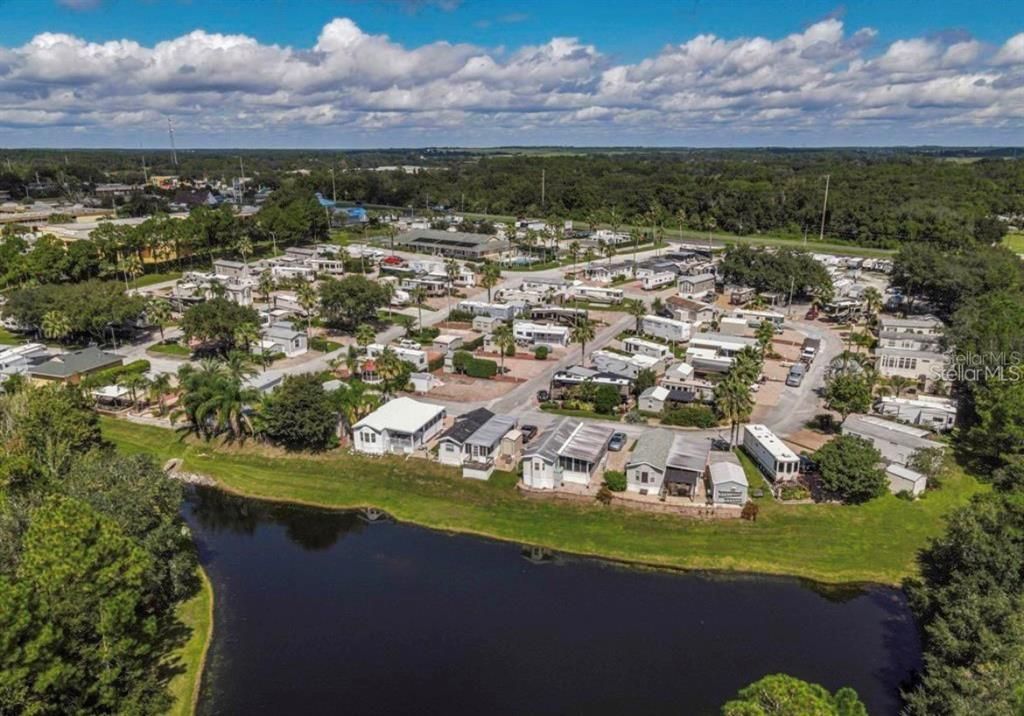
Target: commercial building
pixel 71 367
pixel 453 244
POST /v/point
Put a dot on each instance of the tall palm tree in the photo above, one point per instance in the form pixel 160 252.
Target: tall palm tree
pixel 765 333
pixel 451 272
pixel 872 302
pixel 419 295
pixel 490 277
pixel 56 325
pixel 132 268
pixel 307 298
pixel 158 312
pixel 574 252
pixel 389 295
pixel 244 247
pixel 636 235
pixel 506 340
pixel 238 366
pixel 733 402
pixel 582 332
pixel 265 284
pixel 637 309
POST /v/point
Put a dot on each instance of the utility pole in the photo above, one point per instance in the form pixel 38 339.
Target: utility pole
pixel 789 305
pixel 170 133
pixel 824 208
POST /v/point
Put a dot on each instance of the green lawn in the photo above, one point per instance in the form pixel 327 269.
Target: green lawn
pixel 150 278
pixel 170 348
pixel 1014 242
pixel 197 615
pixel 9 339
pixel 876 542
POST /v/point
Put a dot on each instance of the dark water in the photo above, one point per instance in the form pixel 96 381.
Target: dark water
pixel 322 613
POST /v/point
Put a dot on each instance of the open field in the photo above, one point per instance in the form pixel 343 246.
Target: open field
pixel 150 278
pixel 876 542
pixel 197 615
pixel 9 339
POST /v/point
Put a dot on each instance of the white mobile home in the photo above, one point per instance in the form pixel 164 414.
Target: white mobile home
pixel 658 280
pixel 418 358
pixel 896 442
pixel 503 311
pixel 639 346
pixel 668 329
pixel 598 294
pixel 755 318
pixel 540 334
pixel 930 411
pixel 903 479
pixel 772 455
pixel 402 425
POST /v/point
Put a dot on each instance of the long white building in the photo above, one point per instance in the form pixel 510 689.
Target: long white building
pixel 668 329
pixel 772 455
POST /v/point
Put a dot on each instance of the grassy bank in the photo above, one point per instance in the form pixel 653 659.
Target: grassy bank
pixel 197 615
pixel 9 339
pixel 876 542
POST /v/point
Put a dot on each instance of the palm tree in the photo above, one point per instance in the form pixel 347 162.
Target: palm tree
pixel 582 332
pixel 657 306
pixel 132 268
pixel 636 235
pixel 681 218
pixel 872 302
pixel 506 340
pixel 391 370
pixel 265 285
pixel 158 312
pixel 307 297
pixel 352 360
pixel 589 255
pixel 244 247
pixel 451 271
pixel 574 252
pixel 490 277
pixel 246 334
pixel 365 335
pixel 733 402
pixel 419 295
pixel 238 366
pixel 56 325
pixel 899 383
pixel 389 295
pixel 159 387
pixel 636 308
pixel 747 365
pixel 765 333
pixel 134 382
pixel 609 250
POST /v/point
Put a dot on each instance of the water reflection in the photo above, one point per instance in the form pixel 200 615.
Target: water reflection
pixel 311 529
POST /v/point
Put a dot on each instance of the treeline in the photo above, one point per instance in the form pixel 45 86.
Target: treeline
pixel 969 597
pixel 94 558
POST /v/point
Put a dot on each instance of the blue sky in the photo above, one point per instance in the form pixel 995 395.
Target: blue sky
pixel 780 72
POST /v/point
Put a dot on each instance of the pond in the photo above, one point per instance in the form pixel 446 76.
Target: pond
pixel 324 612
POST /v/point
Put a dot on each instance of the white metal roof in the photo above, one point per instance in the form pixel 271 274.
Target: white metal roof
pixel 771 442
pixel 403 415
pixel 723 472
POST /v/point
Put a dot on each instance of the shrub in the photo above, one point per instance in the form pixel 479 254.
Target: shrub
pixel 457 316
pixel 606 399
pixel 541 352
pixel 110 375
pixel 794 492
pixel 318 343
pixel 750 511
pixel 615 480
pixel 690 416
pixel 474 344
pixel 604 495
pixel 635 417
pixel 464 362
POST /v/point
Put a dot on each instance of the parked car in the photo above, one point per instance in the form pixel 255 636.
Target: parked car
pixel 617 442
pixel 720 444
pixel 529 432
pixel 543 396
pixel 393 260
pixel 796 375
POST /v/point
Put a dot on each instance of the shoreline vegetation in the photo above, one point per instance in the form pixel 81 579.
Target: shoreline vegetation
pixel 197 615
pixel 876 542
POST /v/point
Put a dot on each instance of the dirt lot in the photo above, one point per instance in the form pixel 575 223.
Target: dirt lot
pixel 463 388
pixel 809 440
